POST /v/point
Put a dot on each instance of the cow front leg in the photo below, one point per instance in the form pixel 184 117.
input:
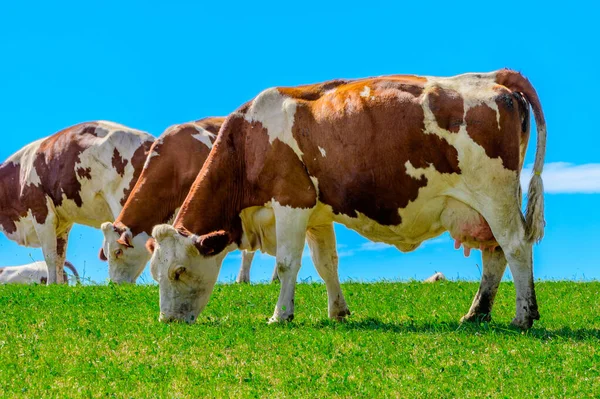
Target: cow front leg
pixel 291 233
pixel 494 264
pixel 321 241
pixel 244 274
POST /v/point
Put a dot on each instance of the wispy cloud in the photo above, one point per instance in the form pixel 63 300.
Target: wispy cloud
pixel 567 178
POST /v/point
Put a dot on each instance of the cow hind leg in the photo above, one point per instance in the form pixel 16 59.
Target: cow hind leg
pixel 509 230
pixel 521 266
pixel 494 265
pixel 291 226
pixel 321 241
pixel 61 255
pixel 244 273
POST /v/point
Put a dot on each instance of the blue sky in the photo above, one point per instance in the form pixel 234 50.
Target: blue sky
pixel 149 65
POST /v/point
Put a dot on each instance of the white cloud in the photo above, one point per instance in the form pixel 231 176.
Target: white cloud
pixel 567 178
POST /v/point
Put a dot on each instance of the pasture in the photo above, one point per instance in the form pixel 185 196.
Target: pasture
pixel 402 340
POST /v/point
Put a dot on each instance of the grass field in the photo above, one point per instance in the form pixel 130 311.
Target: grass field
pixel 402 340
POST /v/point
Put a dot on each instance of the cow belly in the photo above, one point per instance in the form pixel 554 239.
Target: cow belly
pixel 424 220
pixel 25 233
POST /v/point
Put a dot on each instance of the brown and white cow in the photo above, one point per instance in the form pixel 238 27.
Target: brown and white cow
pixel 175 159
pixel 82 174
pixel 33 273
pixel 399 159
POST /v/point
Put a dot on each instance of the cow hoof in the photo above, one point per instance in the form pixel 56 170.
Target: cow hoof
pixel 282 319
pixel 523 324
pixel 243 280
pixel 476 318
pixel 339 315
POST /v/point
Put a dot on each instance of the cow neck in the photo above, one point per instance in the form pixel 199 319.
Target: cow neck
pixel 155 197
pixel 214 201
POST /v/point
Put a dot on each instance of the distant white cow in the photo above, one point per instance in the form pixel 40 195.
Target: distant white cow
pixel 36 272
pixel 439 276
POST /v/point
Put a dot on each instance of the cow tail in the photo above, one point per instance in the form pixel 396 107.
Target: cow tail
pixel 70 266
pixel 534 214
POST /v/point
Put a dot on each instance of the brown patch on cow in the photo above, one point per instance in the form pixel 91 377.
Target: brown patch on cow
pixel 56 159
pixel 448 108
pixel 61 244
pixel 137 161
pixel 498 141
pixel 84 173
pixel 118 162
pixel 16 201
pixel 164 183
pixel 388 131
pixel 1 270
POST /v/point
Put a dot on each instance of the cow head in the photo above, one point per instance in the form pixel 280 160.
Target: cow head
pixel 127 255
pixel 186 269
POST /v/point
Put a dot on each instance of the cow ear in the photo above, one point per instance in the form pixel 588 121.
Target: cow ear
pixel 125 239
pixel 101 255
pixel 150 245
pixel 213 243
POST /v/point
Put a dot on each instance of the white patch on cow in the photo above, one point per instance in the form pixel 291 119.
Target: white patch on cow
pixel 323 152
pixel 101 195
pixel 25 233
pixel 366 92
pixel 25 158
pixel 315 183
pixel 258 229
pixel 475 89
pixel 291 225
pixel 276 113
pixel 204 136
pixel 152 154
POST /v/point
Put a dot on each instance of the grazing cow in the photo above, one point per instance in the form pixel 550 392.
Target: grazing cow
pixel 82 174
pixel 36 272
pixel 399 159
pixel 175 159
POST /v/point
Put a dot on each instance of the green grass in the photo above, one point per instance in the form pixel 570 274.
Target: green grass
pixel 402 340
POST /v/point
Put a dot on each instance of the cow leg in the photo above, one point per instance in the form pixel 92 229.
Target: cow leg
pixel 61 254
pixel 508 227
pixel 521 266
pixel 290 226
pixel 494 264
pixel 274 276
pixel 321 241
pixel 244 274
pixel 48 239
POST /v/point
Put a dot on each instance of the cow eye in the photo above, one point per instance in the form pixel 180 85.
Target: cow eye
pixel 118 252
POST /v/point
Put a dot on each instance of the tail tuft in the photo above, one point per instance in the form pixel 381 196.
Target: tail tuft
pixel 534 215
